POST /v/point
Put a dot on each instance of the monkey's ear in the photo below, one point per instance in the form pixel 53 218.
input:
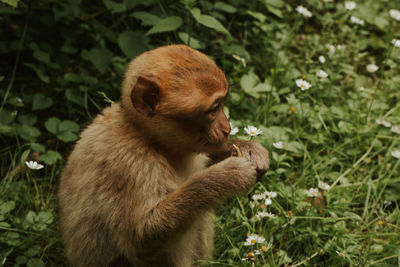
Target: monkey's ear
pixel 145 95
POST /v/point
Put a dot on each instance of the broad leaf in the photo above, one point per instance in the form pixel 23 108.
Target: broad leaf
pixel 166 25
pixel 40 101
pixel 100 57
pixel 147 19
pixel 212 23
pixel 132 43
pixel 52 125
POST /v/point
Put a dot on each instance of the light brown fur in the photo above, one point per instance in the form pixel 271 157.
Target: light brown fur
pixel 137 189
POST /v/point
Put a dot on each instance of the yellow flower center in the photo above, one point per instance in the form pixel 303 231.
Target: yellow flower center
pixel 303 76
pixel 250 255
pixel 252 132
pixel 264 248
pixel 303 85
pixel 292 109
pixel 380 222
pixel 253 241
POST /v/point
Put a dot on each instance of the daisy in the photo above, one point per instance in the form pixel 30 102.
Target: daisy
pixel 395 14
pixel 278 145
pixel 383 122
pixel 33 165
pixel 321 59
pixel 361 88
pixel 322 74
pixel 304 11
pixel 396 42
pixel 356 20
pixel 313 192
pixel 395 129
pixel 270 194
pixel 323 186
pixel 304 85
pixel 234 130
pixel 350 5
pixel 262 214
pixel 268 202
pixel 254 239
pixel 257 197
pixel 241 59
pixel 372 68
pixel 331 48
pixel 252 131
pixel 396 154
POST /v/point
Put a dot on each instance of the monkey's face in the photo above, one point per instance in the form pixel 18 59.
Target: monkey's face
pixel 181 93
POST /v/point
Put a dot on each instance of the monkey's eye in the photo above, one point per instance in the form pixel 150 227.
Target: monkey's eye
pixel 213 110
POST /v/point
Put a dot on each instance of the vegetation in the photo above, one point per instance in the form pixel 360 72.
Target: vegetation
pixel 321 82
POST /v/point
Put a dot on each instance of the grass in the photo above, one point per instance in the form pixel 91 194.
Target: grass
pixel 329 133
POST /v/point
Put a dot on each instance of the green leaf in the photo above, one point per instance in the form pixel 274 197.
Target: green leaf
pixel 38 147
pixel 6 207
pixel 257 15
pixel 68 126
pixel 13 3
pixel 28 119
pixel 132 43
pixel 100 58
pixel 39 72
pixel 67 136
pixel 166 25
pixel 212 23
pixel 50 157
pixel 42 56
pixel 275 3
pixel 248 81
pixel 52 125
pixel 277 12
pixel 147 19
pixel 72 77
pixel 75 96
pixel 225 7
pixel 35 263
pixel 27 132
pixel 114 6
pixel 40 101
pixel 5 116
pixel 5 129
pixel 192 42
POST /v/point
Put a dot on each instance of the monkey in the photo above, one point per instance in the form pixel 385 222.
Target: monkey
pixel 140 185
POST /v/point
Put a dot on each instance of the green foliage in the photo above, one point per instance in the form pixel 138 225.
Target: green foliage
pixel 63 61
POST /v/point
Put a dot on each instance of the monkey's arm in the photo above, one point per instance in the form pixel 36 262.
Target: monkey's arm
pixel 253 151
pixel 199 193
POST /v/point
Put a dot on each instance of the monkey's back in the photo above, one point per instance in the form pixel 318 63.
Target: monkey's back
pixel 110 180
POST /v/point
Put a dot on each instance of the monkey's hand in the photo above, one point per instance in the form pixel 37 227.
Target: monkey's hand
pixel 254 152
pixel 236 175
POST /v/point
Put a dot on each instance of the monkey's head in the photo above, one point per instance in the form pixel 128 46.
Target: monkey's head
pixel 176 95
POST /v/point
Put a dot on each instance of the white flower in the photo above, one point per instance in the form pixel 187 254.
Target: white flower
pixel 278 145
pixel 383 122
pixel 340 254
pixel 396 154
pixel 270 194
pixel 323 186
pixel 395 129
pixel 262 214
pixel 321 59
pixel 313 192
pixel 341 47
pixel 304 11
pixel 331 48
pixel 256 197
pixel 322 74
pixel 33 165
pixel 234 130
pixel 268 202
pixel 372 68
pixel 241 59
pixel 361 88
pixel 252 131
pixel 395 14
pixel 304 85
pixel 356 20
pixel 254 239
pixel 396 42
pixel 350 5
